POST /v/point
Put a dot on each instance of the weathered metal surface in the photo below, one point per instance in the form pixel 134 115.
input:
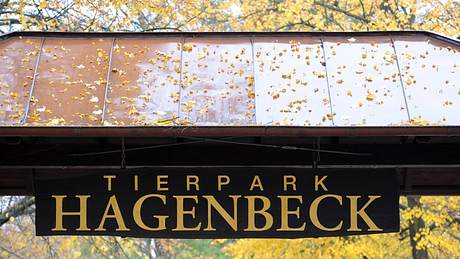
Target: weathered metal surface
pixel 291 85
pixel 217 79
pixel 430 71
pixel 71 82
pixel 144 82
pixel 217 82
pixel 365 83
pixel 17 62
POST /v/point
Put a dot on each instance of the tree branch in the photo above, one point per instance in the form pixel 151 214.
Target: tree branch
pixel 337 9
pixel 19 208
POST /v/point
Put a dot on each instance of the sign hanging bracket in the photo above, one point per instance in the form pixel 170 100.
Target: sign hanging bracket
pixel 123 153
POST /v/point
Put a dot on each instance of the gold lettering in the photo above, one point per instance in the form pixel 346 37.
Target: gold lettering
pixel 212 203
pixel 319 182
pixel 354 212
pixel 181 213
pixel 285 212
pixel 82 213
pixel 256 183
pixel 252 213
pixel 162 179
pixel 136 182
pixel 137 213
pixel 194 182
pixel 116 215
pixel 289 180
pixel 109 181
pixel 220 181
pixel 314 212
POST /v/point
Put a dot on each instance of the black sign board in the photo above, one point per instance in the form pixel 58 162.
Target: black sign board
pixel 218 202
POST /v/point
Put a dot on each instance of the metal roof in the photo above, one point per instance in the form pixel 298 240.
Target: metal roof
pixel 79 102
pixel 299 79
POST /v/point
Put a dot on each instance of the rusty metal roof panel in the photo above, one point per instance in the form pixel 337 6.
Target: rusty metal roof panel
pixel 382 79
pixel 71 81
pixel 18 58
pixel 144 82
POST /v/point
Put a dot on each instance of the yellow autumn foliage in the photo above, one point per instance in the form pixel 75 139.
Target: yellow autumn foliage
pixel 440 233
pixel 231 15
pixel 440 237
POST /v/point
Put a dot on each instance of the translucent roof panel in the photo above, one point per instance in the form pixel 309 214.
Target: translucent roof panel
pixel 431 76
pixel 144 82
pixel 217 82
pixel 17 58
pixel 364 82
pixel 291 86
pixel 71 82
pixel 318 79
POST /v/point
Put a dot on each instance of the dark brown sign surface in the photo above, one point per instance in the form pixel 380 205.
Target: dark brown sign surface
pixel 218 202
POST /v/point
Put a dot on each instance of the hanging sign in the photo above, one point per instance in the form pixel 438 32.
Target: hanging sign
pixel 218 202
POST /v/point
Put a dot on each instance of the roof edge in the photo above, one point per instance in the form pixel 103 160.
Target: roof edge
pixel 224 131
pixel 229 34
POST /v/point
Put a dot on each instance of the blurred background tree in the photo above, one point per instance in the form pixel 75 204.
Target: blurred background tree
pixel 442 16
pixel 430 226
